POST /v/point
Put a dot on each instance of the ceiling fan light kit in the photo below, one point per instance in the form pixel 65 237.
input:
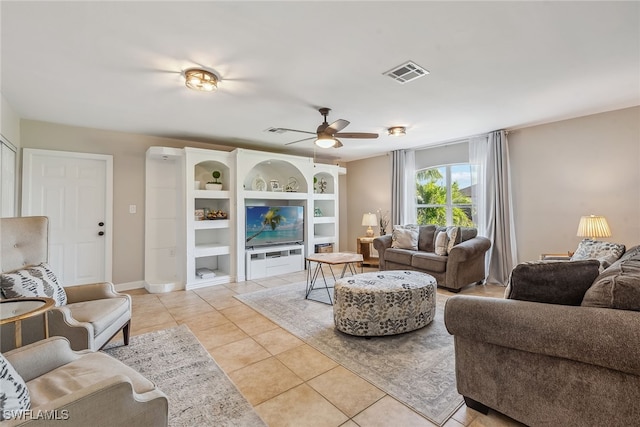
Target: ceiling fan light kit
pixel 397 131
pixel 201 80
pixel 325 141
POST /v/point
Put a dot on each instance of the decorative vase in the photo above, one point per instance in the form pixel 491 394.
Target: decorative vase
pixel 216 187
pixel 196 185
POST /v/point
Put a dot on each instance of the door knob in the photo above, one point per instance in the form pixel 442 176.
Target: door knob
pixel 101 233
pixel 101 224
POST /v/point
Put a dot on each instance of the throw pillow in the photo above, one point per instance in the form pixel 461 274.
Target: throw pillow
pixel 14 394
pixel 35 281
pixel 552 282
pixel 405 237
pixel 620 290
pixel 605 252
pixel 452 236
pixel 442 243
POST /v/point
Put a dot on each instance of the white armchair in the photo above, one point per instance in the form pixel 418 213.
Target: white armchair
pixel 83 389
pixel 93 313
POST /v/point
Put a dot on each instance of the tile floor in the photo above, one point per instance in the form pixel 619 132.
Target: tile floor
pixel 288 382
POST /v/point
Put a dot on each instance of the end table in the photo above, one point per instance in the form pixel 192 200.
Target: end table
pixel 364 247
pixel 15 310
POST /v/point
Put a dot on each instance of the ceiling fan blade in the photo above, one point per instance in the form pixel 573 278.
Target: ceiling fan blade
pixel 297 130
pixel 336 126
pixel 363 135
pixel 300 140
pixel 338 143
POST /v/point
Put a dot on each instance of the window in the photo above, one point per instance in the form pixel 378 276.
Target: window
pixel 443 195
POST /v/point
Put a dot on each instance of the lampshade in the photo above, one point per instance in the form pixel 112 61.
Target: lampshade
pixel 369 220
pixel 201 80
pixel 593 226
pixel 325 141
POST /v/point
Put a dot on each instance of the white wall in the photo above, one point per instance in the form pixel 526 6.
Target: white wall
pixel 560 171
pixel 9 122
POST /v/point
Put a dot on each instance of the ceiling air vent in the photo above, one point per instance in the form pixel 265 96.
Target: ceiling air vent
pixel 406 72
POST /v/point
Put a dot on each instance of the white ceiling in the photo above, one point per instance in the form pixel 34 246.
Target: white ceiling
pixel 117 65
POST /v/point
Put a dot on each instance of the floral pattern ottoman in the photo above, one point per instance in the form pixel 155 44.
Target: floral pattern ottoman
pixel 384 303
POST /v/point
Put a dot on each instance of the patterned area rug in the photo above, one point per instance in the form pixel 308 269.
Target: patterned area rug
pixel 199 392
pixel 417 368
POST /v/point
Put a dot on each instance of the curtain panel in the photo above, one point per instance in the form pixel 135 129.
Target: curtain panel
pixel 489 157
pixel 403 187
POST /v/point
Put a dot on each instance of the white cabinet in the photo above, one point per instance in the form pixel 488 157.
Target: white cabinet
pixel 273 261
pixel 325 205
pixel 210 239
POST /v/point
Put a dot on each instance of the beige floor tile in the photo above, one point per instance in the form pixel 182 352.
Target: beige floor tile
pixel 239 354
pixel 214 292
pixel 245 287
pixel 137 330
pixel 272 282
pixel 220 335
pixel 255 324
pixel 225 302
pixel 300 407
pixel 451 422
pixel 238 312
pixel 465 415
pixel 494 419
pixel 205 320
pixel 179 298
pixel 349 423
pixel 389 412
pixel 277 340
pixel 139 291
pixel 347 391
pixel 306 362
pixel 190 311
pixel 149 319
pixel 264 380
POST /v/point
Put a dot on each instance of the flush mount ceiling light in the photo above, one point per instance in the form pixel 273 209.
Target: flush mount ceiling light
pixel 200 80
pixel 397 131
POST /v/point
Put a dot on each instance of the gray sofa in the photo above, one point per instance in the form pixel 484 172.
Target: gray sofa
pixel 562 357
pixel 463 265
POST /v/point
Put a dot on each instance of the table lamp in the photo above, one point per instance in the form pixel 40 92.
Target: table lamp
pixel 593 226
pixel 369 220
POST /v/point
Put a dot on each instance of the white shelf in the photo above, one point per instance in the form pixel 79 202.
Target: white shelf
pixel 324 219
pixel 210 194
pixel 220 278
pixel 324 196
pixel 211 249
pixel 209 224
pixel 274 195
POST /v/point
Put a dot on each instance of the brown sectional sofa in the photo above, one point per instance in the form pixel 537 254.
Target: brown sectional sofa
pixel 462 266
pixel 546 363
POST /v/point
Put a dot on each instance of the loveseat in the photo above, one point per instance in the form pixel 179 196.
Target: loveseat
pixel 561 349
pixel 459 264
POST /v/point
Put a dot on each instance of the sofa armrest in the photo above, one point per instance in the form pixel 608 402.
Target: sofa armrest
pixel 380 244
pixel 469 249
pixel 36 359
pixel 91 291
pixel 597 336
pixel 106 403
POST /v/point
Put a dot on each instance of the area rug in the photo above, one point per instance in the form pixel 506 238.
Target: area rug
pixel 199 392
pixel 417 368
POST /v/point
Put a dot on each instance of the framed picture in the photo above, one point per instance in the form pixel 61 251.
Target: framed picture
pixel 199 214
pixel 275 185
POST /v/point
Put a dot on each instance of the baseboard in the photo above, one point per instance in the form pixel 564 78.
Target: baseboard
pixel 129 285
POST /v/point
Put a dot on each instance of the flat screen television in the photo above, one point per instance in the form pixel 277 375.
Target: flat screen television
pixel 273 225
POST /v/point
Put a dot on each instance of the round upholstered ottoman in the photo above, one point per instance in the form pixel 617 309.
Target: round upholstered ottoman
pixel 384 302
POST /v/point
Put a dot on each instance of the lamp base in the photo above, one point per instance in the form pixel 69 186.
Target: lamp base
pixel 369 232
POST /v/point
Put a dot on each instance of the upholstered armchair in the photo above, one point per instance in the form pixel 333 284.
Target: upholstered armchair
pixel 65 387
pixel 87 315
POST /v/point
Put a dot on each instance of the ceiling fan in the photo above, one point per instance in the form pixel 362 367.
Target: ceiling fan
pixel 327 134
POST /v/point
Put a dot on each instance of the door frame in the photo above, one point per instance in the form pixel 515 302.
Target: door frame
pixel 27 167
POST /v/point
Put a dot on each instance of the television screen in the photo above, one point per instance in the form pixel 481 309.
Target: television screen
pixel 272 225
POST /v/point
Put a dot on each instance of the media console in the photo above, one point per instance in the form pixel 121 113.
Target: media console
pixel 274 260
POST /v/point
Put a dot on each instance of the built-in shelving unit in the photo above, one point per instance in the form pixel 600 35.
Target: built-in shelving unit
pixel 210 243
pixel 179 243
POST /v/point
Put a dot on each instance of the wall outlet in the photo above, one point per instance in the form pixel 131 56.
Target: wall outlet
pixel 132 209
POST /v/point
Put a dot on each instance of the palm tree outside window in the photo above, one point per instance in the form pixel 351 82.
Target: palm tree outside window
pixel 443 195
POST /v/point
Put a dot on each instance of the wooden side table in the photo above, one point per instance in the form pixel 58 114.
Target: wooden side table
pixel 364 247
pixel 15 310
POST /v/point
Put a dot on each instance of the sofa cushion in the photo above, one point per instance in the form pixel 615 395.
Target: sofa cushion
pixel 617 287
pixel 14 394
pixel 398 256
pixel 405 237
pixel 467 233
pixel 553 282
pixel 34 281
pixel 442 243
pixel 605 252
pixel 81 373
pixel 100 313
pixel 426 238
pixel 429 261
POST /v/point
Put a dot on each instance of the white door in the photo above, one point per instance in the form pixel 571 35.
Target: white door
pixel 75 191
